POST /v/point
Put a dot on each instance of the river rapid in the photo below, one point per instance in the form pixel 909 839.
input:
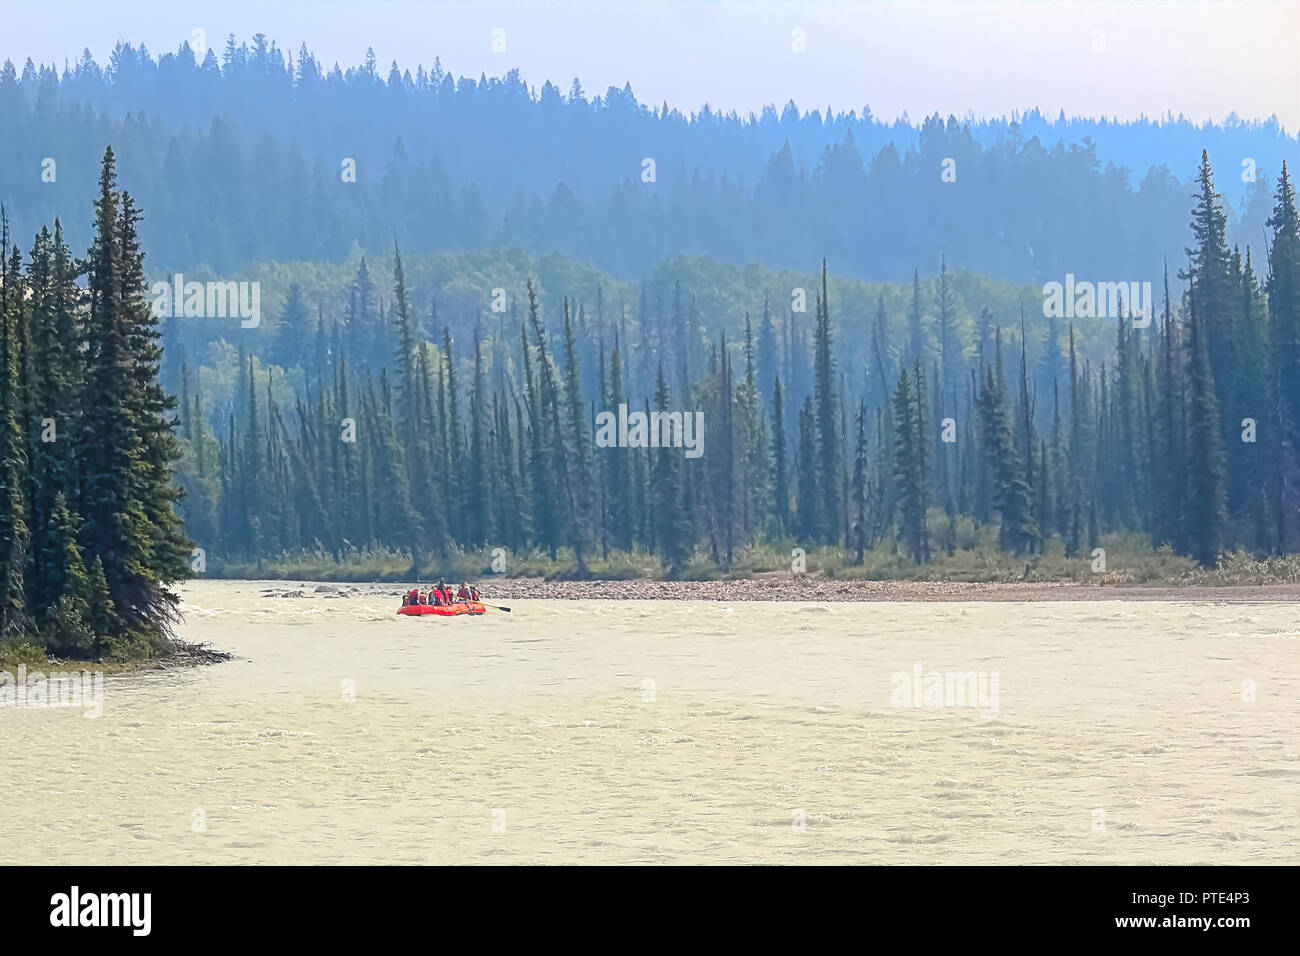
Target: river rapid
pixel 677 732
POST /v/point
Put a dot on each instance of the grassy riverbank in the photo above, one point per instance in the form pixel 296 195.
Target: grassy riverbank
pixel 1128 562
pixel 25 653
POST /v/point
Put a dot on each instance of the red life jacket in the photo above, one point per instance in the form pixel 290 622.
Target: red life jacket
pixel 414 596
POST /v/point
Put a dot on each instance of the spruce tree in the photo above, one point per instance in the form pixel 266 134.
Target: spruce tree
pixel 292 330
pixel 1207 511
pixel 13 463
pixel 752 439
pixel 807 499
pixel 911 488
pixel 828 442
pixel 780 473
pixel 1011 493
pixel 1283 285
pixel 621 509
pixel 671 528
pixel 479 517
pixel 573 435
pixel 916 347
pixel 127 446
pixel 858 539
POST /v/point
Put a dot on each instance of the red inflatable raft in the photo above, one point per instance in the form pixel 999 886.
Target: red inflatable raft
pixel 445 610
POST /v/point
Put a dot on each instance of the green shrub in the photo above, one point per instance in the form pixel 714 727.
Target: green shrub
pixel 1241 568
pixel 16 652
pixel 66 630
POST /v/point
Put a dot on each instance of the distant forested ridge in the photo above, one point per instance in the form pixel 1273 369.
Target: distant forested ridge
pixel 365 422
pixel 89 534
pixel 239 157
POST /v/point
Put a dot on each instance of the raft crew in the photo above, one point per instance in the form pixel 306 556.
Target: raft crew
pixel 440 594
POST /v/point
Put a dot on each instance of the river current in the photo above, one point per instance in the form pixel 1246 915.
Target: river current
pixel 675 731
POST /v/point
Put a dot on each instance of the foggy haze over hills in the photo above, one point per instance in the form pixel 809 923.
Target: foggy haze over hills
pixel 443 162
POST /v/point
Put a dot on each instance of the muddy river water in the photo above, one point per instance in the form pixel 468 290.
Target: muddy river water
pixel 675 731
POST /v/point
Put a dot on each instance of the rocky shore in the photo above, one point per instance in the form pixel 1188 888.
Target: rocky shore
pixel 786 587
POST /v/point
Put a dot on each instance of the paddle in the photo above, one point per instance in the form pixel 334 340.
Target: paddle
pixel 495 607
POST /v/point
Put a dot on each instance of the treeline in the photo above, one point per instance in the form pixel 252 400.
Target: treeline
pixel 89 535
pixel 442 163
pixel 1186 434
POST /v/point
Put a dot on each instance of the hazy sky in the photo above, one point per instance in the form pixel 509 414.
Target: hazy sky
pixel 1122 59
